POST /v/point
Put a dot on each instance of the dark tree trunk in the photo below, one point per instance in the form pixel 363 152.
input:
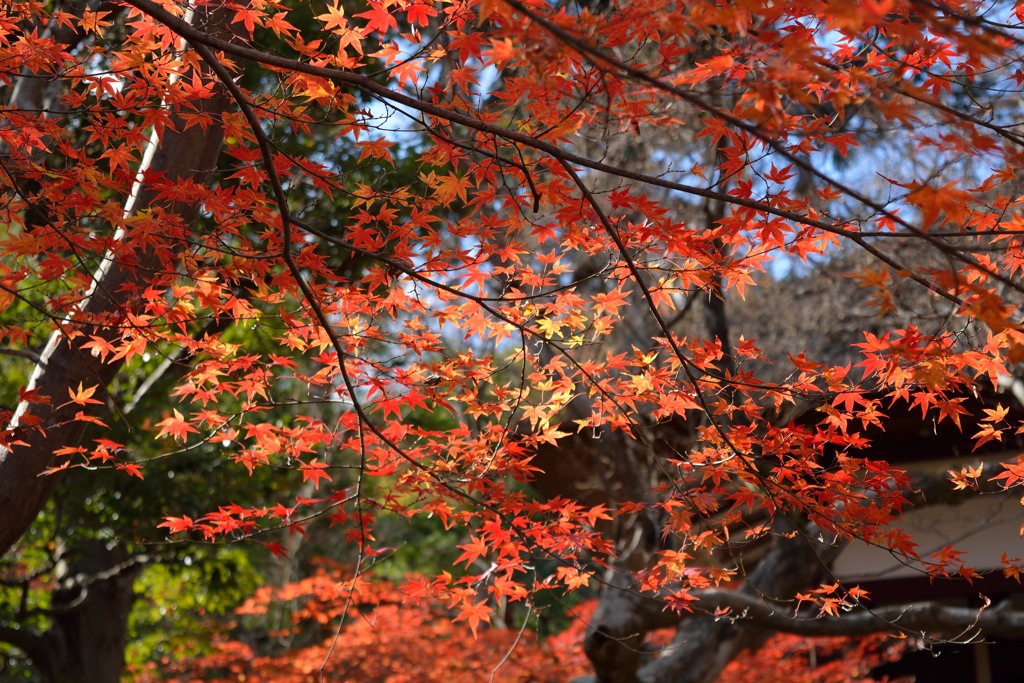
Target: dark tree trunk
pixel 90 628
pixel 88 613
pixel 184 153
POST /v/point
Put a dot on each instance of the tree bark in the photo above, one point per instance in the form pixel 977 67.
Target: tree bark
pixel 703 645
pixel 88 616
pixel 41 429
pixel 90 627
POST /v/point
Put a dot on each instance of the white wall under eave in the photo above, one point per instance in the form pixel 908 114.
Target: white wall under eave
pixel 983 528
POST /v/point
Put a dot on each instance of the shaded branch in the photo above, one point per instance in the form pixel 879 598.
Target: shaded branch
pixel 35 646
pixel 926 619
pixel 82 581
pixel 22 353
pixel 184 152
pixel 703 645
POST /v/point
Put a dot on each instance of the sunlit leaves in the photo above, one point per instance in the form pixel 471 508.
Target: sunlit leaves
pixel 447 239
pixel 176 426
pixel 83 395
pixel 314 472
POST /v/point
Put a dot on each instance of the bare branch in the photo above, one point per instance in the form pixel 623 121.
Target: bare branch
pixel 928 619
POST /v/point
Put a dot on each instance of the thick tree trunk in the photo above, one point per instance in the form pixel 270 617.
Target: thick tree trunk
pixel 702 645
pixel 88 615
pixel 190 153
pixel 90 627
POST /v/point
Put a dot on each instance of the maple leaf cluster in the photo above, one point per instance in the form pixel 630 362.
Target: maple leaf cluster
pixel 439 260
pixel 384 638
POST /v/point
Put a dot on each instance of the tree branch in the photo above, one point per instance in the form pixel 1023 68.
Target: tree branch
pixel 703 645
pixel 186 152
pixel 923 619
pixel 35 646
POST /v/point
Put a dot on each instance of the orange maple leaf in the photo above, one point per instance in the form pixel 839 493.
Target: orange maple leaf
pixel 474 614
pixel 176 426
pixel 83 396
pixel 314 470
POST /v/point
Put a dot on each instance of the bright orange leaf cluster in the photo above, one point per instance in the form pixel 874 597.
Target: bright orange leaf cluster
pixel 454 237
pixel 384 638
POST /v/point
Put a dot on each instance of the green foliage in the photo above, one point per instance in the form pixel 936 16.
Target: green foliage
pixel 182 605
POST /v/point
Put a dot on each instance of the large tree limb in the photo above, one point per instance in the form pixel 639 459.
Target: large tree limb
pixel 704 645
pixel 88 616
pixel 181 153
pixel 927 619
